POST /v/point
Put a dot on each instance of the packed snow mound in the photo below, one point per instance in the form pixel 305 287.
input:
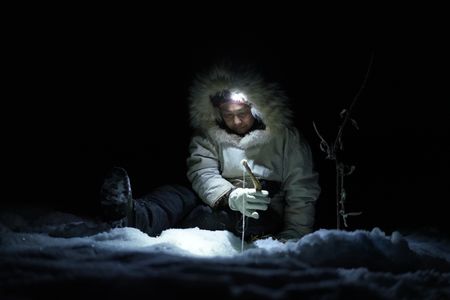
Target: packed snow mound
pixel 61 253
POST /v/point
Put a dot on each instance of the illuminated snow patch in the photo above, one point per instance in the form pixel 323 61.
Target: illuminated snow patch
pixel 202 242
pixel 192 241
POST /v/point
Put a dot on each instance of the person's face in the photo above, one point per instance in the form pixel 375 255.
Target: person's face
pixel 237 117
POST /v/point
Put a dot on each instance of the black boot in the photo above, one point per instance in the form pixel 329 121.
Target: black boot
pixel 116 199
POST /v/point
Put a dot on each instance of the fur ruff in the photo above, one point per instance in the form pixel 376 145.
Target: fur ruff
pixel 267 101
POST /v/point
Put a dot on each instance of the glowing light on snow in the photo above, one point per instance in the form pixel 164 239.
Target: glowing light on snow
pixel 202 242
pixel 192 241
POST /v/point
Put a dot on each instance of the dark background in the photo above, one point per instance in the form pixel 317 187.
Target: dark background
pixel 84 98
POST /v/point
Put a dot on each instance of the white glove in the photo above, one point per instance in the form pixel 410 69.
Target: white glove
pixel 248 200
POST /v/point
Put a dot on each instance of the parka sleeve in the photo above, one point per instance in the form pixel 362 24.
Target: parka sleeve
pixel 204 171
pixel 301 187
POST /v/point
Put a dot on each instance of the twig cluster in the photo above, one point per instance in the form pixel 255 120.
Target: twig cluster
pixel 332 153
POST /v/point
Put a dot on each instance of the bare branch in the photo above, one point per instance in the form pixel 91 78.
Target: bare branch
pixel 323 144
pixel 349 111
pixel 342 170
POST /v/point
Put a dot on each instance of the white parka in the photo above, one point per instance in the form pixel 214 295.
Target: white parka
pixel 277 153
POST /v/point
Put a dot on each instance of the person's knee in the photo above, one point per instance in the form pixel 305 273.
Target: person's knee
pixel 182 188
pixel 178 189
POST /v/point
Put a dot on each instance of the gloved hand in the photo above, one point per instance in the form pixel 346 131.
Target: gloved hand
pixel 254 200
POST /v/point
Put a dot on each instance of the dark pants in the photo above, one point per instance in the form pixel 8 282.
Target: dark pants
pixel 176 206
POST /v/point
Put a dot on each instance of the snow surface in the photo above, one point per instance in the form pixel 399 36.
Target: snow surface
pixel 60 255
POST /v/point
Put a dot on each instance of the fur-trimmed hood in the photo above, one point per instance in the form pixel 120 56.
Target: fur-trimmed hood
pixel 268 101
